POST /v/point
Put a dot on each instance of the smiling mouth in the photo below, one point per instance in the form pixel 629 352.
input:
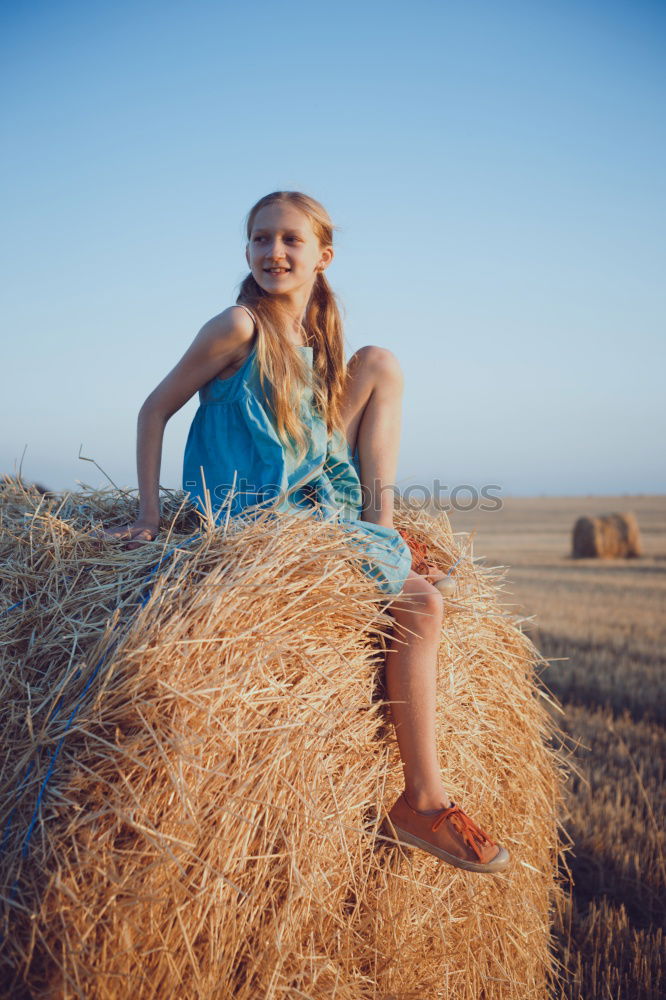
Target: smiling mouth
pixel 277 270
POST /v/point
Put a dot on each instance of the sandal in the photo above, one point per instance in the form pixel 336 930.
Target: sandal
pixel 424 567
pixel 448 833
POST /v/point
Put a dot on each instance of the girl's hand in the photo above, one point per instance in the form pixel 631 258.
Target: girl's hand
pixel 136 534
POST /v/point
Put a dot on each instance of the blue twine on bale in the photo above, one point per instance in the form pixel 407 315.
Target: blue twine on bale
pixel 454 565
pixel 143 600
pixel 18 604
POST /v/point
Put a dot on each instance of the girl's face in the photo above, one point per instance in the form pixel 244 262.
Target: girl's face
pixel 283 252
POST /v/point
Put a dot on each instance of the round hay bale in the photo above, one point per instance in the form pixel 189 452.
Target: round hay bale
pixel 608 536
pixel 199 753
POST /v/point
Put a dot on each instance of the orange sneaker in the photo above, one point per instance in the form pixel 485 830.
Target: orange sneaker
pixel 424 567
pixel 449 834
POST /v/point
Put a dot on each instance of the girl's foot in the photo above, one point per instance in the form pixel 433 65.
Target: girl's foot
pixel 135 534
pixel 449 834
pixel 424 567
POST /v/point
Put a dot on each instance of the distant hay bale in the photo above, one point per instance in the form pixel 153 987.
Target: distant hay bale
pixel 609 536
pixel 14 483
pixel 195 774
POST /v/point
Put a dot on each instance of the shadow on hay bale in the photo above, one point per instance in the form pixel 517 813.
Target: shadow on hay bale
pixel 206 787
pixel 608 536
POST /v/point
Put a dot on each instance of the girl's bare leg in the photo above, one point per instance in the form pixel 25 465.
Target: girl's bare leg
pixel 411 682
pixel 372 410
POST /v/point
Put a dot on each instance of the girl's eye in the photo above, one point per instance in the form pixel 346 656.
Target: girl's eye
pixel 295 238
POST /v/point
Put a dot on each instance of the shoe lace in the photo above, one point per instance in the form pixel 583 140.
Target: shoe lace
pixel 472 834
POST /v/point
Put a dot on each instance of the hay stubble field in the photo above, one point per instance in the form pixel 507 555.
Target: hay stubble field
pixel 601 625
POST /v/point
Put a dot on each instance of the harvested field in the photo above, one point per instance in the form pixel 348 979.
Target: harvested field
pixel 602 626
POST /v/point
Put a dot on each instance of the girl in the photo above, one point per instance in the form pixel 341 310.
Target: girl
pixel 307 432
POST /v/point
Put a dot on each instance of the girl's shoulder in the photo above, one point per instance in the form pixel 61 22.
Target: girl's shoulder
pixel 233 329
pixel 241 311
pixel 235 324
pixel 234 319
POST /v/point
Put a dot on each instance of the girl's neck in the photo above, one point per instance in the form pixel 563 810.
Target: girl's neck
pixel 296 306
pixel 299 335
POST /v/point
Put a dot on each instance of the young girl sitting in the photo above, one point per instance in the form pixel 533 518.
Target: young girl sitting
pixel 284 422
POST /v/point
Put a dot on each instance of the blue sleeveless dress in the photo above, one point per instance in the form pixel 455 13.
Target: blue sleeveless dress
pixel 234 454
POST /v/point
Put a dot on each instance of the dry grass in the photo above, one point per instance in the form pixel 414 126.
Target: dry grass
pixel 603 629
pixel 207 771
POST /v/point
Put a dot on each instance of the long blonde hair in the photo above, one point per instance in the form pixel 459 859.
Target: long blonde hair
pixel 278 358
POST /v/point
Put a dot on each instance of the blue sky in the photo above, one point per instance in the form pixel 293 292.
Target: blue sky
pixel 497 171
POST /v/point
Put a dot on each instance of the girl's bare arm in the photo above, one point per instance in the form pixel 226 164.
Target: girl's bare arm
pixel 218 344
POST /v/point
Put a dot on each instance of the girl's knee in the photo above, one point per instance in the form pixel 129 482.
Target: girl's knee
pixel 433 606
pixel 381 361
pixel 419 606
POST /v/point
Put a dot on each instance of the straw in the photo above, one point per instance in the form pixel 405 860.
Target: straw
pixel 199 755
